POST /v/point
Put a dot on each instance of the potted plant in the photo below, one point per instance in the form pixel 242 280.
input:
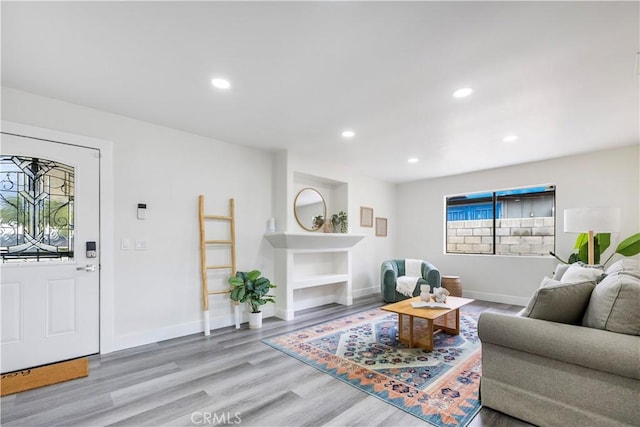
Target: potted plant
pixel 318 222
pixel 253 289
pixel 339 222
pixel 628 247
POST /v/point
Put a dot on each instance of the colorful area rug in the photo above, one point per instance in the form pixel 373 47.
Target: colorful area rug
pixel 439 386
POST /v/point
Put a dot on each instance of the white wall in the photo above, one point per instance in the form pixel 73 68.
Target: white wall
pixel 606 178
pixel 369 254
pixel 157 292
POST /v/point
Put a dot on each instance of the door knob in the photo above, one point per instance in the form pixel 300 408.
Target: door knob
pixel 88 267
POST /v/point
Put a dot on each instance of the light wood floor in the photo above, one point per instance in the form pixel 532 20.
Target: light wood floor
pixel 179 382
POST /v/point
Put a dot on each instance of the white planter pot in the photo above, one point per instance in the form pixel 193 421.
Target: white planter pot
pixel 255 320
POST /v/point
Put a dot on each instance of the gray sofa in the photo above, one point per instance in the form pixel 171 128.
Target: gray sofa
pixel 571 358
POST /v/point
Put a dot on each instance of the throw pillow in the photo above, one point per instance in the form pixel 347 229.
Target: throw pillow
pixel 548 281
pixel 559 271
pixel 584 264
pixel 627 266
pixel 559 302
pixel 614 305
pixel 578 273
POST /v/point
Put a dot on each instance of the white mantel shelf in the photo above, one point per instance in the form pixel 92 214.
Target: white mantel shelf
pixel 306 261
pixel 318 241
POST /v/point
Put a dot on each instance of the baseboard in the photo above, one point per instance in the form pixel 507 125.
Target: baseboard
pixel 151 336
pixel 285 314
pixel 357 293
pixel 504 299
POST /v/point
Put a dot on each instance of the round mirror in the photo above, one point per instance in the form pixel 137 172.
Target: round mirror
pixel 310 209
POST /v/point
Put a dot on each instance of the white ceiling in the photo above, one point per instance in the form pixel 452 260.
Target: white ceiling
pixel 560 75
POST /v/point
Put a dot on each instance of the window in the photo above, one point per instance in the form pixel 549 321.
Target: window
pixel 36 209
pixel 518 221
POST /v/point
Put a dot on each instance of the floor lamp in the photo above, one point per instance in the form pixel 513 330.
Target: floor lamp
pixel 591 220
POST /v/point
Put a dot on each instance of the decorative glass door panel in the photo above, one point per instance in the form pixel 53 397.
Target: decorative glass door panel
pixel 36 209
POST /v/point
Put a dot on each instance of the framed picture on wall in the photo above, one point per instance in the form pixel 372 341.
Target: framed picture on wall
pixel 381 227
pixel 366 217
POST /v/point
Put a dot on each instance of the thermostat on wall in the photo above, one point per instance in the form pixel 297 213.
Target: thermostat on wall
pixel 142 210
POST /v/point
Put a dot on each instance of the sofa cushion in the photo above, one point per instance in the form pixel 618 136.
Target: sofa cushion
pixel 625 265
pixel 559 302
pixel 548 281
pixel 562 268
pixel 577 273
pixel 614 305
pixel 559 271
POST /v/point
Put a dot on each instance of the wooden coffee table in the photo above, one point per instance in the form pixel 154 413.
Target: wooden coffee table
pixel 416 326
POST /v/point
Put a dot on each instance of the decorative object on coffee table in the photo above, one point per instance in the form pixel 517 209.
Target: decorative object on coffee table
pixel 425 293
pixel 452 284
pixel 440 294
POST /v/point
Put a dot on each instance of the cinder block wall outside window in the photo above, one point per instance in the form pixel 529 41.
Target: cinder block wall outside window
pixel 514 236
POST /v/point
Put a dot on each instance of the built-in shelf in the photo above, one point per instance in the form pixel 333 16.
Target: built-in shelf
pixel 319 280
pixel 313 241
pixel 311 268
pixel 311 260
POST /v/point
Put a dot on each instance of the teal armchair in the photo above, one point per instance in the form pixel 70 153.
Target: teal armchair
pixel 392 269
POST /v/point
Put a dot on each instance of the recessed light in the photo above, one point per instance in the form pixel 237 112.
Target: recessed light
pixel 348 134
pixel 461 93
pixel 510 138
pixel 220 83
pixel 413 160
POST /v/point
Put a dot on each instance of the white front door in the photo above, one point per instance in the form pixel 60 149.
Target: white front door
pixel 49 217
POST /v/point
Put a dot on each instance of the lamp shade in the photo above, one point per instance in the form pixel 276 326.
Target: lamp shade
pixel 598 220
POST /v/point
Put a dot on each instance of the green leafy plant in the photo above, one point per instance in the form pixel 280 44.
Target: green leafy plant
pixel 318 221
pixel 251 288
pixel 339 222
pixel 601 241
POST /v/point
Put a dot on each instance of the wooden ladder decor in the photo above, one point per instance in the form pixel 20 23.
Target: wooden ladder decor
pixel 203 259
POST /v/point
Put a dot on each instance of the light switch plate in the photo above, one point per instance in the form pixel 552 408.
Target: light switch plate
pixel 141 245
pixel 125 244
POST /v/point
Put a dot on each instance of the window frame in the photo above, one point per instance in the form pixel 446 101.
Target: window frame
pixel 499 202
